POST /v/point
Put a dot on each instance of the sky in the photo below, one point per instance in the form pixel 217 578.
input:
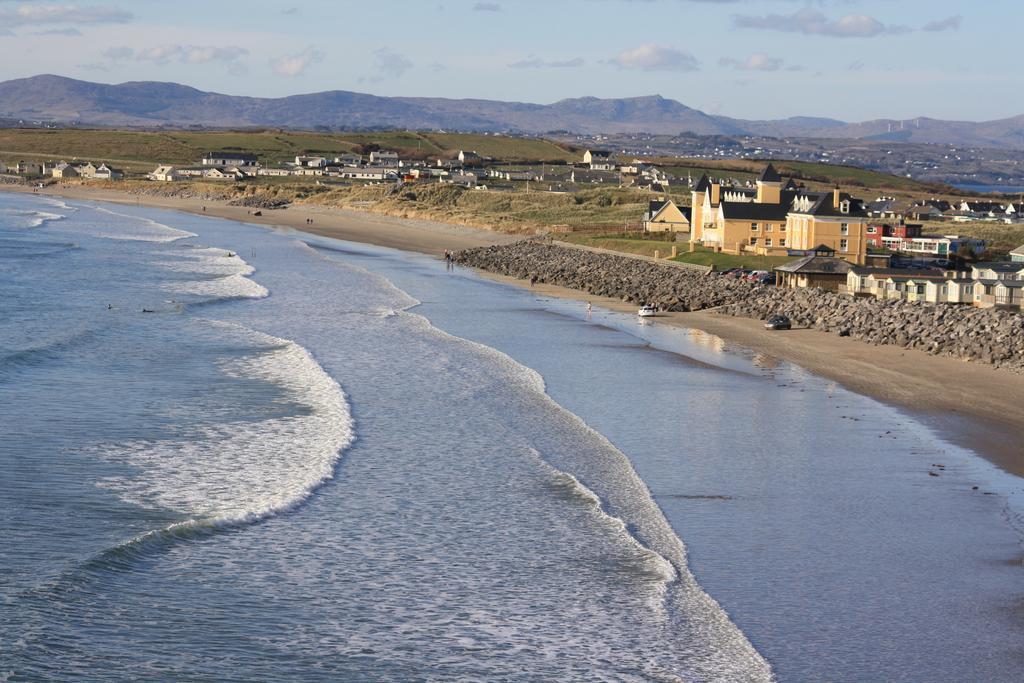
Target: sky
pixel 755 59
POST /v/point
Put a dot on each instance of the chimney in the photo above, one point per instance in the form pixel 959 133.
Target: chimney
pixel 835 197
pixel 716 192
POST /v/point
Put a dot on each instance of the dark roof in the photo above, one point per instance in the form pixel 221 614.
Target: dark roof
pixel 599 153
pixel 770 175
pixel 754 211
pixel 823 205
pixel 703 184
pixel 655 206
pixel 909 273
pixel 1001 266
pixel 817 265
pixel 790 185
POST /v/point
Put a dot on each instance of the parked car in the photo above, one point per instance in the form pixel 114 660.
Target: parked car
pixel 778 322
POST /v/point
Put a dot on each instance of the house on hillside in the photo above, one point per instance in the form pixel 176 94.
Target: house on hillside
pixel 383 158
pixel 585 177
pixel 65 170
pixel 469 158
pixel 371 173
pixel 29 168
pixel 664 215
pixel 107 172
pixel 164 174
pixel 349 159
pixel 461 179
pixel 310 161
pixel 1017 255
pixel 225 158
pixel 596 155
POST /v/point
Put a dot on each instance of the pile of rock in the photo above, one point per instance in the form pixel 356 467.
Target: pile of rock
pixel 986 335
pixel 259 201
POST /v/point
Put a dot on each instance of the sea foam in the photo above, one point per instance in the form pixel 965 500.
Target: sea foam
pixel 245 471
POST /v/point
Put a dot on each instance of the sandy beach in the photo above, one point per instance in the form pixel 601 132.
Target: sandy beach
pixel 970 404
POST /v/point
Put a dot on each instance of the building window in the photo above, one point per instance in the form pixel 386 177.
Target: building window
pixel 871 230
pixel 782 228
pixel 753 227
pixel 768 242
pixel 753 241
pixel 768 227
pixel 844 228
pixel 782 241
pixel 844 245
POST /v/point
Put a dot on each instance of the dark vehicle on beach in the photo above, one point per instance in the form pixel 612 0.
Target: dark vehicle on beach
pixel 778 322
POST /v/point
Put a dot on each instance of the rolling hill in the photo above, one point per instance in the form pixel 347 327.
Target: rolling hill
pixel 49 98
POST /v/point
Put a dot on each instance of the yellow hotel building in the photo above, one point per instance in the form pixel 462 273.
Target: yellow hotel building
pixel 777 218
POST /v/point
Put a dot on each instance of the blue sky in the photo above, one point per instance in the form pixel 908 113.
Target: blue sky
pixel 847 59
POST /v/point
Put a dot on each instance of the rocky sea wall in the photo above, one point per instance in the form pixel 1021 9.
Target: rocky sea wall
pixel 987 335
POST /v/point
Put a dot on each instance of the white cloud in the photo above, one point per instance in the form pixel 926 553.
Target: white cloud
pixel 296 64
pixel 36 14
pixel 535 63
pixel 389 64
pixel 812 22
pixel 185 54
pixel 71 32
pixel 653 57
pixel 756 62
pixel 948 24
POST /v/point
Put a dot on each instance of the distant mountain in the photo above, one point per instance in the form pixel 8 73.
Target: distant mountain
pixel 153 104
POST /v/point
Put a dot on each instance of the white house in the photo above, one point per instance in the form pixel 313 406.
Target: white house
pixel 224 158
pixel 383 158
pixel 164 174
pixel 310 162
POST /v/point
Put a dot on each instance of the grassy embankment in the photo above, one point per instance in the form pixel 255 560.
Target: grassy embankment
pixel 515 212
pixel 660 245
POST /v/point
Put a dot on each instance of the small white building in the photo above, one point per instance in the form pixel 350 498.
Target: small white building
pixel 164 174
pixel 383 158
pixel 227 158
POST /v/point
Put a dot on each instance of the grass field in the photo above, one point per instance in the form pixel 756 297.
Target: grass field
pixel 185 147
pixel 706 257
pixel 999 237
pixel 642 247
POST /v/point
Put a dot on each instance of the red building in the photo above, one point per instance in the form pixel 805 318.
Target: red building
pixel 900 231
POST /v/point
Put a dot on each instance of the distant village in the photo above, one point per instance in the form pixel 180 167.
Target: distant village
pixel 840 242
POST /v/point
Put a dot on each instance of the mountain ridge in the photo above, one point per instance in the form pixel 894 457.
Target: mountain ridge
pixel 59 99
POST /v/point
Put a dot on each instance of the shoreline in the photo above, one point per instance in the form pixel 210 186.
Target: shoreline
pixel 967 404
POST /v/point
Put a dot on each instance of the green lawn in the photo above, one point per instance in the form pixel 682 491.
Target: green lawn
pixel 643 247
pixel 706 257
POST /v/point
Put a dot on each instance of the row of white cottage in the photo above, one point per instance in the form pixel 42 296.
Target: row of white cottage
pixel 985 285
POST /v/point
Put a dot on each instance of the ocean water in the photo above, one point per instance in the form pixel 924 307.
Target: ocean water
pixel 230 453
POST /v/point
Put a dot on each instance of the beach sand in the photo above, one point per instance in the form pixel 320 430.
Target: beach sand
pixel 971 404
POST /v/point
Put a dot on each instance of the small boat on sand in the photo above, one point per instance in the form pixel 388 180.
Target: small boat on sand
pixel 647 311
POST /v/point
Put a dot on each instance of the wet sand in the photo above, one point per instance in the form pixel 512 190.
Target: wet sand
pixel 971 404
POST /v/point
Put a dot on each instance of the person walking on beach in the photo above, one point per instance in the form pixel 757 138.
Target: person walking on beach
pixel 590 307
pixel 533 280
